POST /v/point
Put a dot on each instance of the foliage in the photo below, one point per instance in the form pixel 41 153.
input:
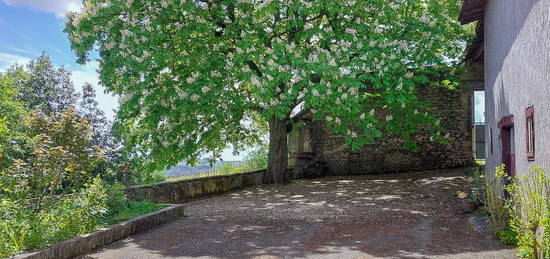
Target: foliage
pixel 59 160
pixel 41 86
pixel 479 189
pixel 256 159
pixel 193 74
pixel 529 211
pixel 94 206
pixel 102 136
pixel 49 154
pixel 45 87
pixel 25 229
pixel 508 237
pixel 88 108
pixel 148 178
pixel 133 209
pixel 494 204
pixel 11 112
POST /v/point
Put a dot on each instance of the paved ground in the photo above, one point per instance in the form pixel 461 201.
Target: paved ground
pixel 393 216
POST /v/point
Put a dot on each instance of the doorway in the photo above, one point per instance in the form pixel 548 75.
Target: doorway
pixel 478 128
pixel 506 125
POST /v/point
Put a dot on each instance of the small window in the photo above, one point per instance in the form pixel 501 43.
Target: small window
pixel 530 132
pixel 491 139
pixel 307 142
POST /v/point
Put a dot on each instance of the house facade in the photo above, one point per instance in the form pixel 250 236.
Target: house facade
pixel 513 43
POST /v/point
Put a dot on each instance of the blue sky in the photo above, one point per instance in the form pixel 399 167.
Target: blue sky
pixel 479 107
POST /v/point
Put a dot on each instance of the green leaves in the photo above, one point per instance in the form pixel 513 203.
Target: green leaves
pixel 194 72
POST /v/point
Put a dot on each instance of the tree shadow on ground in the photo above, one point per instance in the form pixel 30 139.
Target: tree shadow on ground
pixel 413 215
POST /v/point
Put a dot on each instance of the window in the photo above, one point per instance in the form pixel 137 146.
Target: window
pixel 307 142
pixel 530 132
pixel 491 139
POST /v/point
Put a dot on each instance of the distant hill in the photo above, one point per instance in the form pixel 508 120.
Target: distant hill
pixel 203 166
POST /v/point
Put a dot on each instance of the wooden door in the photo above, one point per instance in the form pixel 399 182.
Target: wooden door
pixel 507 139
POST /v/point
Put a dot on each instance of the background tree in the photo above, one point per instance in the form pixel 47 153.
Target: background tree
pixel 88 108
pixel 61 160
pixel 192 73
pixel 11 113
pixel 46 87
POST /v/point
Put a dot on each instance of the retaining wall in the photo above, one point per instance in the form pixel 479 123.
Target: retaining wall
pixel 87 243
pixel 185 190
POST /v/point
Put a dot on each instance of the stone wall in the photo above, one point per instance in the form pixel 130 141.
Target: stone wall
pixel 333 157
pixel 185 190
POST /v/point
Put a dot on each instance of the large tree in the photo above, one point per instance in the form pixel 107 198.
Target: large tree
pixel 192 73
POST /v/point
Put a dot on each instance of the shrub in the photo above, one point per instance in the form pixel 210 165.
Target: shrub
pixel 494 204
pixel 47 194
pixel 24 229
pixel 508 236
pixel 529 212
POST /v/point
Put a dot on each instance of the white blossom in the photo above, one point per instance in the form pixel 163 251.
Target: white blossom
pixel 314 92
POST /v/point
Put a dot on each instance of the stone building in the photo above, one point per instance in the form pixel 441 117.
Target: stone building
pixel 513 43
pixel 315 150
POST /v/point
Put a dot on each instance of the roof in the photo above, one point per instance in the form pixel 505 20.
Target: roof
pixel 474 10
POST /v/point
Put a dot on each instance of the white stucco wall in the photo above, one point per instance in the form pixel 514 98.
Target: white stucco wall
pixel 517 75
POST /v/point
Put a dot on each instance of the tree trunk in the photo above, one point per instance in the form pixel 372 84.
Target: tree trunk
pixel 278 151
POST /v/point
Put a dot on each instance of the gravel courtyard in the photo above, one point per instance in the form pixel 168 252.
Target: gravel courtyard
pixel 414 215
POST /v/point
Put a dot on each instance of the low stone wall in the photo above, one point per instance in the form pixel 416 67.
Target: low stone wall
pixel 84 244
pixel 185 190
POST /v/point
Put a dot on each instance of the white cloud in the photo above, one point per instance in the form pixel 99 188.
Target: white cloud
pixel 58 7
pixel 7 60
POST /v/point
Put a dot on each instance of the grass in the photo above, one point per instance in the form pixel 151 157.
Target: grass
pixel 133 209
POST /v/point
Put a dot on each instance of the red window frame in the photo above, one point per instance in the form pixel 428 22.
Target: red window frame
pixel 530 136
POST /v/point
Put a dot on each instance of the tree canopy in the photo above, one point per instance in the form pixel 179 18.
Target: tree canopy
pixel 43 86
pixel 191 73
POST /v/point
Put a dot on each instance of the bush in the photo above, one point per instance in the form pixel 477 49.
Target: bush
pixel 495 205
pixel 508 236
pixel 96 205
pixel 529 212
pixel 23 229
